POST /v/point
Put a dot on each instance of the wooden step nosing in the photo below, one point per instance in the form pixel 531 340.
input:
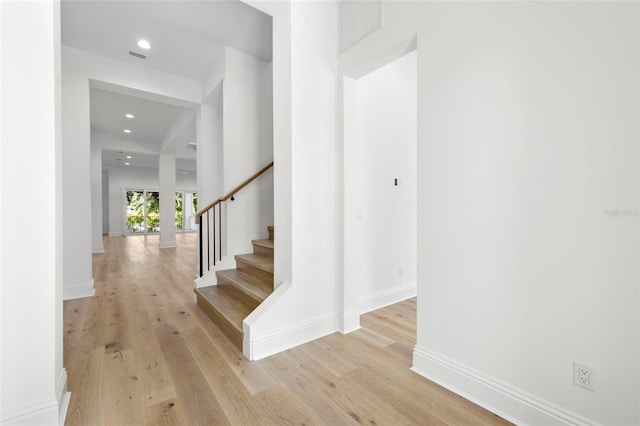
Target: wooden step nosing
pixel 245 287
pixel 246 277
pixel 226 327
pixel 253 270
pixel 221 313
pixel 257 265
pixel 249 291
pixel 263 243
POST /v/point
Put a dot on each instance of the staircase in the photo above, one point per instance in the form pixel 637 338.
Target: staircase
pixel 239 291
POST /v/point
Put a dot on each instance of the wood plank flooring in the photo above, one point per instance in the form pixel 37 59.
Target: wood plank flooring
pixel 140 352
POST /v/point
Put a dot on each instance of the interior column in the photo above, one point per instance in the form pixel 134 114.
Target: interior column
pixel 167 181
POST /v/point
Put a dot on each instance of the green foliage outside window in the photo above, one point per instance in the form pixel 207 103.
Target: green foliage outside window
pixel 135 211
pixel 153 211
pixel 179 223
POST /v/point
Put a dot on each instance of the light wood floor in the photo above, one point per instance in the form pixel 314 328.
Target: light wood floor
pixel 140 352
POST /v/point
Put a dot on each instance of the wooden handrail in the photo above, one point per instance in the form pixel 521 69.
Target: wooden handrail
pixel 233 191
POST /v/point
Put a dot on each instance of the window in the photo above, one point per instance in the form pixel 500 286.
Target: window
pixel 142 211
pixel 186 208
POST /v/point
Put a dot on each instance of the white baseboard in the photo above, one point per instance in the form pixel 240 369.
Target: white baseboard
pixel 98 249
pixel 288 337
pixel 44 412
pixel 78 291
pixel 63 397
pixel 115 234
pixel 510 403
pixel 349 322
pixel 257 345
pixel 378 300
pixel 168 244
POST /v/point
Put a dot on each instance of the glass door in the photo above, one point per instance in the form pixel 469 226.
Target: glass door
pixel 186 208
pixel 142 211
pixel 179 214
pixel 135 211
pixel 153 211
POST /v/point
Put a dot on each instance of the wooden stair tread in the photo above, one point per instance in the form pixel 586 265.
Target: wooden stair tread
pixel 257 288
pixel 239 291
pixel 263 248
pixel 259 262
pixel 263 243
pixel 224 300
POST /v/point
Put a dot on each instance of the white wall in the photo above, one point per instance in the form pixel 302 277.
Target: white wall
pixel 303 306
pixel 209 133
pixel 247 147
pixel 96 198
pixel 79 68
pixel 209 125
pixel 381 220
pixel 76 162
pixel 186 183
pixel 32 378
pixel 136 178
pixel 105 201
pixel 235 140
pixel 527 136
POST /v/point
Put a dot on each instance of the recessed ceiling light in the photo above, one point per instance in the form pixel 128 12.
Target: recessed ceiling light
pixel 130 116
pixel 127 131
pixel 127 164
pixel 192 143
pixel 144 44
pixel 129 157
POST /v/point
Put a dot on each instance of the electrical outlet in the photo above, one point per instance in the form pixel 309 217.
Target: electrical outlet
pixel 584 376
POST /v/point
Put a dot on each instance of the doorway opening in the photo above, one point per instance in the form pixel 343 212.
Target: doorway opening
pixel 380 158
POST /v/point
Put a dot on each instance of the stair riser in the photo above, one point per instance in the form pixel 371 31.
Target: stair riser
pixel 263 251
pixel 239 291
pixel 249 269
pixel 249 299
pixel 220 321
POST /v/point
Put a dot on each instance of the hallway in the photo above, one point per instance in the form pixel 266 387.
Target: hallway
pixel 140 352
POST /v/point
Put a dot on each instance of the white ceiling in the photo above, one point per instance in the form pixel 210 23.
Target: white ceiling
pixel 117 158
pixel 187 37
pixel 150 125
pixel 152 121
